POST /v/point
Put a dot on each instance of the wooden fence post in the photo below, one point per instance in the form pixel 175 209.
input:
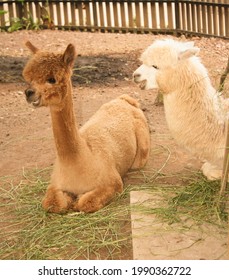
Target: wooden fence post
pixel 225 163
pixel 94 12
pixel 177 17
pixel 226 153
pixel 19 9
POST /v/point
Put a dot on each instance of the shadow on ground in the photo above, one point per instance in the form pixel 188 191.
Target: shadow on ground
pixel 88 70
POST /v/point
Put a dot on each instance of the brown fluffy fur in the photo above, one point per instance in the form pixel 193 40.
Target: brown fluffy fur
pixel 91 161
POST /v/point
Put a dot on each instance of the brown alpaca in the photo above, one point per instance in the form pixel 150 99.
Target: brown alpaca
pixel 91 161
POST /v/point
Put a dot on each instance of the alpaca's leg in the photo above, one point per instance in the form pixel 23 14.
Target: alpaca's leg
pixel 212 172
pixel 143 145
pixel 94 200
pixel 57 201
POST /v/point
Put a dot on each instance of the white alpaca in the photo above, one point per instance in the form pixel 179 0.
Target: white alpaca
pixel 195 114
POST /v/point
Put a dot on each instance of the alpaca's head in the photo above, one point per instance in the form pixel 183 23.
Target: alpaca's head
pixel 48 75
pixel 161 57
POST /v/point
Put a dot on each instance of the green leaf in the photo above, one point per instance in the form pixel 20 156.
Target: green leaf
pixel 2 12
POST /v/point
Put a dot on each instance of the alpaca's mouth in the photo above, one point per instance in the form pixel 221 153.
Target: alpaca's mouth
pixel 37 102
pixel 142 84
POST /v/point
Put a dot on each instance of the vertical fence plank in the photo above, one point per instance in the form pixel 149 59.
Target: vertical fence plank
pixel 183 16
pixel 226 22
pixel 51 12
pixel 209 17
pixel 122 14
pixel 65 14
pixel 2 17
pixel 154 15
pixel 19 9
pixel 25 9
pixel 145 14
pixel 38 12
pixel 108 12
pixel 138 15
pixel 215 19
pixel 94 13
pixel 115 9
pixel 223 14
pixel 130 15
pixel 170 15
pixel 73 14
pixel 11 13
pixel 30 10
pixel 161 15
pixel 101 14
pixel 58 11
pixel 221 25
pixel 80 13
pixel 204 18
pixel 188 17
pixel 88 14
pixel 199 16
pixel 193 16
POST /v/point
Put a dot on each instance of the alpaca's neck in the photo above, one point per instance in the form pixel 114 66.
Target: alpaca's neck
pixel 66 134
pixel 197 88
pixel 194 77
pixel 190 77
pixel 193 104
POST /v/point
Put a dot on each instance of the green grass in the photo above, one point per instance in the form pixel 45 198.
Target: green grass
pixel 196 200
pixel 31 233
pixel 28 232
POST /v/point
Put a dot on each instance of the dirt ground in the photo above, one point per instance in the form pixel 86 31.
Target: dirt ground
pixel 103 70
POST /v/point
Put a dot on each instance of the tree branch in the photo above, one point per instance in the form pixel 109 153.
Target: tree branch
pixel 223 77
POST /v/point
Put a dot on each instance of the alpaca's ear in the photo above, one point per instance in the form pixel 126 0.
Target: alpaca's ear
pixel 31 47
pixel 69 55
pixel 188 53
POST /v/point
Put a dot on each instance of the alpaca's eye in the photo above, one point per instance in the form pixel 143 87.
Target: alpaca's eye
pixel 155 66
pixel 51 81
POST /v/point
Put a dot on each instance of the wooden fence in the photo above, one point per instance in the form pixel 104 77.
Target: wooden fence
pixel 203 17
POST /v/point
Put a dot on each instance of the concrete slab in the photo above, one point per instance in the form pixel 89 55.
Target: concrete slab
pixel 155 240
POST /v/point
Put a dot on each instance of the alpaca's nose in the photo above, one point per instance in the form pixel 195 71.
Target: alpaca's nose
pixel 29 92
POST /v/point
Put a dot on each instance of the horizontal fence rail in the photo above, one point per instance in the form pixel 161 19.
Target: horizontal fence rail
pixel 203 17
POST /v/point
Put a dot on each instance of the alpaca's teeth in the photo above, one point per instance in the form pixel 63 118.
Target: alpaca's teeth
pixel 35 103
pixel 143 84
